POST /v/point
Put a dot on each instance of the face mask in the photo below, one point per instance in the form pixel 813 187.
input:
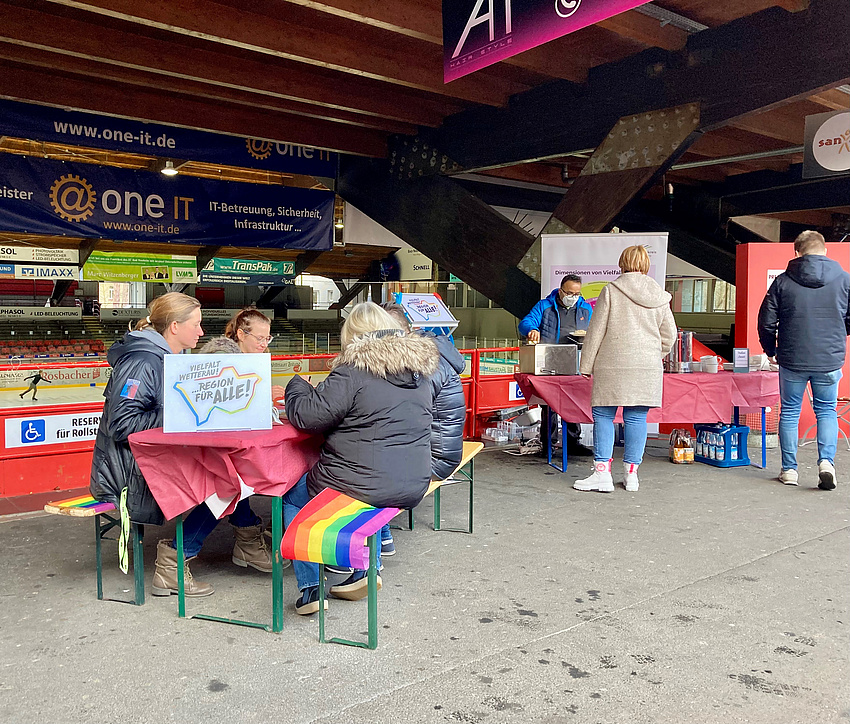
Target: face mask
pixel 569 299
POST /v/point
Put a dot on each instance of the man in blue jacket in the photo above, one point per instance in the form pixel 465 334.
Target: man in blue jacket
pixel 552 321
pixel 803 323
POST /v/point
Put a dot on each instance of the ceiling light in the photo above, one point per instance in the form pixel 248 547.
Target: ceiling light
pixel 168 169
pixel 339 225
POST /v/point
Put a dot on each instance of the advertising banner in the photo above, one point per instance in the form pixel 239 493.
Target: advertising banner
pixel 40 196
pixel 826 149
pixel 478 33
pixel 14 313
pixel 204 392
pixel 595 257
pixel 121 314
pixel 247 271
pixel 44 123
pixel 39 272
pixel 108 266
pixel 39 256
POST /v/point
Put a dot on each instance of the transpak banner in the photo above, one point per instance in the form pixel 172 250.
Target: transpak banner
pixel 478 33
pixel 108 266
pixel 44 123
pixel 40 196
pixel 247 271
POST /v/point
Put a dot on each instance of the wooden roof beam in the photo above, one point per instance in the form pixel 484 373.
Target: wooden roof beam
pixel 70 91
pixel 285 81
pixel 389 61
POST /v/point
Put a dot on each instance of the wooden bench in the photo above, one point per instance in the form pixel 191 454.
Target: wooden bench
pixel 464 473
pixel 85 506
pixel 335 529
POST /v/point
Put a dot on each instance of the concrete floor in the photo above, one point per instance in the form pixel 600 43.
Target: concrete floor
pixel 709 596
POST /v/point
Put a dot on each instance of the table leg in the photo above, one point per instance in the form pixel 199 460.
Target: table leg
pixel 763 438
pixel 277 564
pixel 563 446
pixel 181 573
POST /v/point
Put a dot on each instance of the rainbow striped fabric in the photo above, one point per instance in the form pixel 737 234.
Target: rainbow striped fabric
pixel 82 506
pixel 332 529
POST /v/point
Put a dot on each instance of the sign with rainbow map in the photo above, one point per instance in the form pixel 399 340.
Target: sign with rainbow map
pixel 213 392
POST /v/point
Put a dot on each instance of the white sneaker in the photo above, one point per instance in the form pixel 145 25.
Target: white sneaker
pixel 600 480
pixel 826 473
pixel 630 477
pixel 788 477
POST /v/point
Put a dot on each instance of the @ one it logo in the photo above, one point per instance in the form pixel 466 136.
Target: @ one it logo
pixel 259 149
pixel 72 197
pixel 831 144
pixel 565 8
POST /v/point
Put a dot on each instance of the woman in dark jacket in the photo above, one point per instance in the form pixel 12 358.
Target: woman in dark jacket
pixel 134 403
pixel 374 410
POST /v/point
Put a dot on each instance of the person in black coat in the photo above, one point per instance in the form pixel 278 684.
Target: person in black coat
pixel 374 410
pixel 134 403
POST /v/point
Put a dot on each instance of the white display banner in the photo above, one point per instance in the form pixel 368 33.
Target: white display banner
pixel 594 258
pixel 36 254
pixel 51 429
pixel 206 392
pixel 413 266
pixel 13 313
pixel 38 272
pixel 76 376
pixel 135 313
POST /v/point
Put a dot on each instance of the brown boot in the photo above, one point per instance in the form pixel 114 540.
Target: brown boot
pixel 165 574
pixel 251 549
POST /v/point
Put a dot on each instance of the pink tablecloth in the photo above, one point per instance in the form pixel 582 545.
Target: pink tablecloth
pixel 689 398
pixel 184 469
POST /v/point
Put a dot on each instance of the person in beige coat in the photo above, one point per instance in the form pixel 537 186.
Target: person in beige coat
pixel 632 329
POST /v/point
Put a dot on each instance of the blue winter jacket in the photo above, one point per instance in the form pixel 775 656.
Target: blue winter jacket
pixel 544 317
pixel 804 319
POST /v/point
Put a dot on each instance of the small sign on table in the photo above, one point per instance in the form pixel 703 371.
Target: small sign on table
pixel 741 359
pixel 211 392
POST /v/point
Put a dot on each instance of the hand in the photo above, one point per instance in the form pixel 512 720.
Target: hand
pixel 772 360
pixel 278 392
pixel 534 336
pixel 587 377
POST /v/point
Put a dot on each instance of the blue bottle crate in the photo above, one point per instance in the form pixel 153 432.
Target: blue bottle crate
pixel 729 434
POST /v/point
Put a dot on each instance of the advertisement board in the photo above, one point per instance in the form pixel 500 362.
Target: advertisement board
pixel 37 430
pixel 39 272
pixel 113 266
pixel 594 258
pixel 57 125
pixel 38 255
pixel 247 271
pixel 14 313
pixel 41 196
pixel 826 148
pixel 205 392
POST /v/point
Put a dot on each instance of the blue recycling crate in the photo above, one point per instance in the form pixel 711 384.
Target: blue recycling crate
pixel 733 436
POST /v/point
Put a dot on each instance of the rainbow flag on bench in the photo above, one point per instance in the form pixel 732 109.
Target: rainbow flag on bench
pixel 332 529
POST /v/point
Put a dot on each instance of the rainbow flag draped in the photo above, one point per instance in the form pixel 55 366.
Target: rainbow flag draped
pixel 83 505
pixel 332 529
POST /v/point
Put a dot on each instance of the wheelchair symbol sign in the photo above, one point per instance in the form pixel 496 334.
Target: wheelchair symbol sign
pixel 32 431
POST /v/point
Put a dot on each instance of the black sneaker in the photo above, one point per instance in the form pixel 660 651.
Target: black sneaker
pixel 308 602
pixel 353 588
pixel 387 547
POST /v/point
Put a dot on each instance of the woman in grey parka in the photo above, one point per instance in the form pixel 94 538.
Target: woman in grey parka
pixel 632 329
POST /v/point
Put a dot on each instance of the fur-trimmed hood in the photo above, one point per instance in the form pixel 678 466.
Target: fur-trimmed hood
pixel 220 345
pixel 404 360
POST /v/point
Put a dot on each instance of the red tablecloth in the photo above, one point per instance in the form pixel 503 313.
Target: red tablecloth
pixel 184 469
pixel 688 398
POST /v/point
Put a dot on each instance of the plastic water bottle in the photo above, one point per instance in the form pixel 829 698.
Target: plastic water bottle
pixel 698 450
pixel 721 446
pixel 733 446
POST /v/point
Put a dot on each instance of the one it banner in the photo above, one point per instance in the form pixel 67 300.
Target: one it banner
pixel 106 266
pixel 478 33
pixel 44 123
pixel 40 196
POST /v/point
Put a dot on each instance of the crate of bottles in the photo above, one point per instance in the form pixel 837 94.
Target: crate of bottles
pixel 724 446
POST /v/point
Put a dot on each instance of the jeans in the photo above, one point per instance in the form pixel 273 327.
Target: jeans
pixel 792 387
pixel 603 433
pixel 307 574
pixel 201 522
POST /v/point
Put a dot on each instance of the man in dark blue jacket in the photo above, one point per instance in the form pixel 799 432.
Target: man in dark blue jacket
pixel 803 323
pixel 552 321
